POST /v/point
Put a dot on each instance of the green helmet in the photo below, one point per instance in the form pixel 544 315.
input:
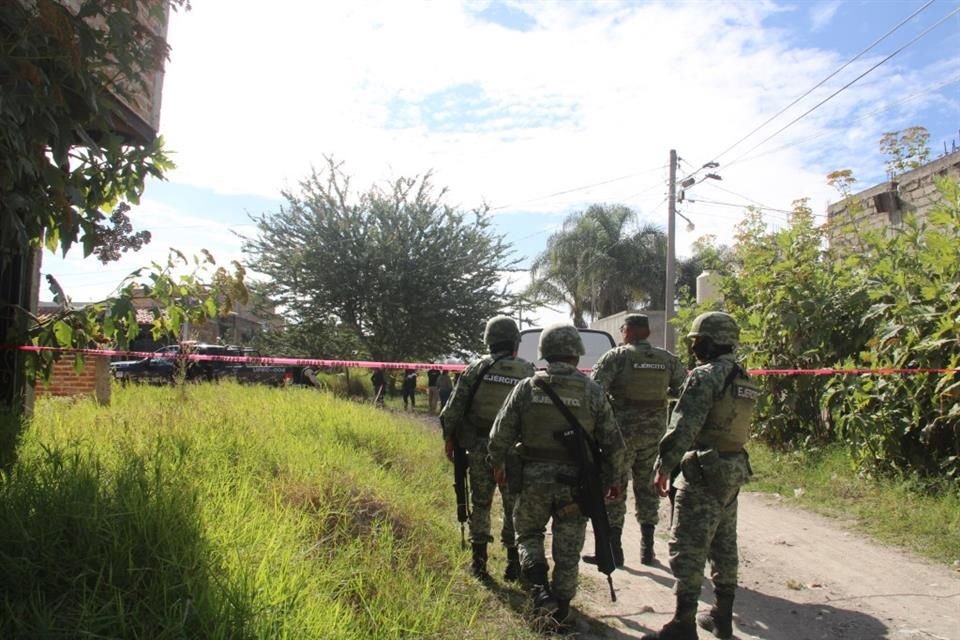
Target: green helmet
pixel 560 340
pixel 718 326
pixel 500 329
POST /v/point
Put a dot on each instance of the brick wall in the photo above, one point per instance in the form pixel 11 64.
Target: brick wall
pixel 913 192
pixel 93 379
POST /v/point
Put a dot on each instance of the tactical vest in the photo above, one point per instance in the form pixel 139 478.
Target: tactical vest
pixel 727 427
pixel 643 381
pixel 542 419
pixel 497 383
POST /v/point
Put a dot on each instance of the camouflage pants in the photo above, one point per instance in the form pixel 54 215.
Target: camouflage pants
pixel 543 499
pixel 639 457
pixel 482 487
pixel 704 528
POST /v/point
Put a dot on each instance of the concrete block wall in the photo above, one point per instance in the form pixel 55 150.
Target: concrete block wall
pixel 611 324
pixel 93 379
pixel 917 192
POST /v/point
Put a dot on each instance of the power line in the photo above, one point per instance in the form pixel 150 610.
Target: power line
pixel 841 89
pixel 575 189
pixel 822 82
pixel 738 206
pixel 919 94
pixel 759 205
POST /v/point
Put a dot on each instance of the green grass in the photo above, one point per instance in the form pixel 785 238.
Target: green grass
pixel 921 517
pixel 220 511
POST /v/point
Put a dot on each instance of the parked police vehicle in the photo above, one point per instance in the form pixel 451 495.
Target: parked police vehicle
pixel 166 364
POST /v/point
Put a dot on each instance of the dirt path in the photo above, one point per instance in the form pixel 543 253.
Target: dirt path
pixel 802 577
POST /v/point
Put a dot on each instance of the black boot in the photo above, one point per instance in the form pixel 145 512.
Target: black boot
pixel 616 548
pixel 683 626
pixel 512 572
pixel 561 617
pixel 719 621
pixel 646 544
pixel 544 604
pixel 479 565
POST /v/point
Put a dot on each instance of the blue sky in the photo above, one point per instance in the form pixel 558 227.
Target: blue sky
pixel 536 108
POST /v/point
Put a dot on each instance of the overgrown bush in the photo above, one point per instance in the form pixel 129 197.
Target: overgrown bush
pixel 912 280
pixel 894 303
pixel 796 309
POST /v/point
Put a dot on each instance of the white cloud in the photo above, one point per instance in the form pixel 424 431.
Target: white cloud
pixel 822 13
pixel 257 93
pixel 255 96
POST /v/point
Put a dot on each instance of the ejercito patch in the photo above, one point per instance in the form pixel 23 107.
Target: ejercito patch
pixel 498 379
pixel 540 398
pixel 747 393
pixel 649 365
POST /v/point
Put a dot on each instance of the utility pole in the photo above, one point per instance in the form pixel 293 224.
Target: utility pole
pixel 668 311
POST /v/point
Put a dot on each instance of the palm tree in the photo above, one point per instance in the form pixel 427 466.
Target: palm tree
pixel 597 266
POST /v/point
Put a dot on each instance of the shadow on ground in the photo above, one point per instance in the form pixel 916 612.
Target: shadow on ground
pixel 771 618
pixel 584 626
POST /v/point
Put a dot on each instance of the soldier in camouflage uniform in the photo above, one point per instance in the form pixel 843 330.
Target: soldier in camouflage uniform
pixel 638 377
pixel 529 423
pixel 708 429
pixel 467 418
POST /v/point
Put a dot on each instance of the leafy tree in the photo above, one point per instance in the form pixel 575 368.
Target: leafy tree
pixel 596 265
pixel 911 280
pixel 905 150
pixel 405 274
pixel 797 311
pixel 61 161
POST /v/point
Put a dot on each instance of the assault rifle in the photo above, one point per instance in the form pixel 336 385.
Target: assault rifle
pixel 589 489
pixel 461 486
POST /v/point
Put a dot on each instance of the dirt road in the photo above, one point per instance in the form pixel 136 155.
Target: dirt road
pixel 802 577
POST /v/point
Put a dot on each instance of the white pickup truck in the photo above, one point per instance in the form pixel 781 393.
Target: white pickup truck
pixel 595 342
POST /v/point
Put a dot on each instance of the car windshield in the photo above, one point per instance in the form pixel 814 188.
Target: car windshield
pixel 595 343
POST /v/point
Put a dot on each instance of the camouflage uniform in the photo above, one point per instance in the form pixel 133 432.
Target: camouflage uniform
pixel 530 419
pixel 469 428
pixel 638 377
pixel 705 438
pixel 472 432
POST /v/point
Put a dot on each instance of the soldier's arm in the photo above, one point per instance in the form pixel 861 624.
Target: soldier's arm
pixel 453 413
pixel 688 417
pixel 606 369
pixel 607 433
pixel 678 375
pixel 506 426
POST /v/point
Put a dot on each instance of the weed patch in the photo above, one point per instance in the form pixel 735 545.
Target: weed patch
pixel 234 512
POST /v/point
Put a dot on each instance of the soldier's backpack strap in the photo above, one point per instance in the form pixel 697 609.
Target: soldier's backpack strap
pixel 479 381
pixel 736 371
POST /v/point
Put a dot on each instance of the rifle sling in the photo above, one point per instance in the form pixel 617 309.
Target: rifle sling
pixel 564 410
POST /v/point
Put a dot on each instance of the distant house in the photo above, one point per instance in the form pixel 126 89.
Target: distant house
pixel 885 205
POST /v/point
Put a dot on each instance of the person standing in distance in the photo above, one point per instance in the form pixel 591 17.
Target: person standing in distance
pixel 433 392
pixel 548 490
pixel 638 378
pixel 708 430
pixel 467 418
pixel 379 381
